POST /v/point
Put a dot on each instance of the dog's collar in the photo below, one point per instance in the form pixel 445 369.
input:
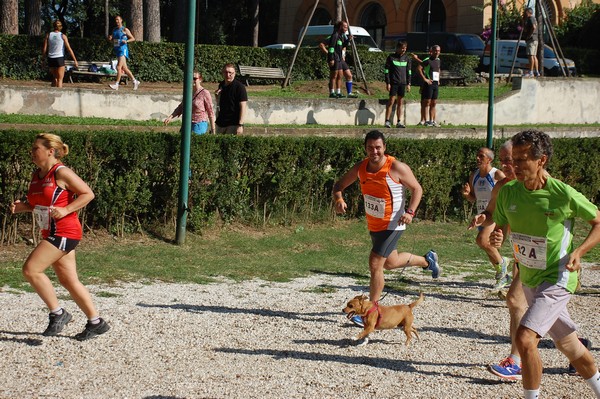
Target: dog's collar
pixel 375 307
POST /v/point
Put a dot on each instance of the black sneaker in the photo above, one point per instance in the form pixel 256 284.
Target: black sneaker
pixel 588 344
pixel 57 323
pixel 92 330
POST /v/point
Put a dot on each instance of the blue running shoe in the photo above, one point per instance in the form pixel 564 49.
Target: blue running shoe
pixel 432 259
pixel 357 320
pixel 507 369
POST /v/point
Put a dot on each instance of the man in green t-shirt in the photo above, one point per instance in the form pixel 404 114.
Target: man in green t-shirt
pixel 540 212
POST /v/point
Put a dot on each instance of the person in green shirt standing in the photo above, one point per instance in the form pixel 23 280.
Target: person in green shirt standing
pixel 540 211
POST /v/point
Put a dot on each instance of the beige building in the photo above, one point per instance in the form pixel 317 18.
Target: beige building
pixel 395 17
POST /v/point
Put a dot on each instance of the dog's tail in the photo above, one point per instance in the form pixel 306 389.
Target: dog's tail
pixel 418 301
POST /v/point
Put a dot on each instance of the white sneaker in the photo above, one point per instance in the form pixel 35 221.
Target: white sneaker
pixel 136 83
pixel 114 86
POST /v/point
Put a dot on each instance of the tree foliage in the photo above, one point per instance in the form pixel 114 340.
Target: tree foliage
pixel 580 26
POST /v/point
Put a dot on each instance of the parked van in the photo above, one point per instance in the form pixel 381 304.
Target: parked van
pixel 316 34
pixel 450 42
pixel 505 50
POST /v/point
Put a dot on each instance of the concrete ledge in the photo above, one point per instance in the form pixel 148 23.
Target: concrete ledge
pixel 548 100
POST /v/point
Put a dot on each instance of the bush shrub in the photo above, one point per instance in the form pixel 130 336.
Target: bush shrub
pixel 164 62
pixel 253 180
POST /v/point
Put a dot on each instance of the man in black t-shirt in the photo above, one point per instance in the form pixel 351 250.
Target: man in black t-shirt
pixel 430 69
pixel 530 35
pixel 397 80
pixel 233 103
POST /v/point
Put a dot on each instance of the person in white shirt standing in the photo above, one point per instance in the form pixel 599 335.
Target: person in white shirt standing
pixel 55 44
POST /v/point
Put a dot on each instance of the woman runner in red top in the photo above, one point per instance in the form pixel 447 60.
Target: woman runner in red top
pixel 55 195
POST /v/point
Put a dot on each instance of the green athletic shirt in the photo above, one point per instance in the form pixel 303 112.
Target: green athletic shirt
pixel 398 69
pixel 541 224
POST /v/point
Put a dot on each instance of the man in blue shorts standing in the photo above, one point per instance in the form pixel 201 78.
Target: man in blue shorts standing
pixel 540 212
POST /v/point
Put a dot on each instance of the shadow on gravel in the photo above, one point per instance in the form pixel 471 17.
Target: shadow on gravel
pixel 162 397
pixel 26 341
pixel 467 333
pixel 378 362
pixel 321 316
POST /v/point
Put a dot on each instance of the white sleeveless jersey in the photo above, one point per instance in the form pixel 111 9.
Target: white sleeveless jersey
pixel 483 188
pixel 56 45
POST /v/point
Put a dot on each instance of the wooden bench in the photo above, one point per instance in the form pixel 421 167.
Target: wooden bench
pixel 83 70
pixel 449 76
pixel 253 72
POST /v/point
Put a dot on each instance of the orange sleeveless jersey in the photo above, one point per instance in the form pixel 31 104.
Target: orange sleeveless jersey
pixel 383 196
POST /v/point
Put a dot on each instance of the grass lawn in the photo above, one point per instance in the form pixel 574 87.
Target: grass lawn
pixel 273 254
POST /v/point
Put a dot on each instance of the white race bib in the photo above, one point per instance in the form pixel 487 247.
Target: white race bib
pixel 435 76
pixel 42 216
pixel 374 206
pixel 529 250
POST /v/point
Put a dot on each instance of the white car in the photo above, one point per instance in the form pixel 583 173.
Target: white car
pixel 281 46
pixel 505 50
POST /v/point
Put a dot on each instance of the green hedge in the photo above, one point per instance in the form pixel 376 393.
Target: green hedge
pixel 254 180
pixel 153 62
pixel 587 61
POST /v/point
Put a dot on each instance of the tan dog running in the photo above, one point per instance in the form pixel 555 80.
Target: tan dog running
pixel 379 317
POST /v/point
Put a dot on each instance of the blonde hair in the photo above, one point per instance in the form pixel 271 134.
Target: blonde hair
pixel 50 140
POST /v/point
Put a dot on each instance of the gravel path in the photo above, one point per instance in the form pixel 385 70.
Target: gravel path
pixel 260 339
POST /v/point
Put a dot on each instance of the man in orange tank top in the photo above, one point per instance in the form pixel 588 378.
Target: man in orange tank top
pixel 383 182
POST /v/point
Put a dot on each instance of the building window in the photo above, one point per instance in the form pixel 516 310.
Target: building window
pixel 321 17
pixel 374 21
pixel 437 22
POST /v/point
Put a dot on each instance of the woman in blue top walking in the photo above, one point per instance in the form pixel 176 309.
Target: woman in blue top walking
pixel 120 36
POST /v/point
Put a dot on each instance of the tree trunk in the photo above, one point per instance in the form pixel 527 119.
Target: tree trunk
pixel 338 10
pixel 33 17
pixel 106 18
pixel 255 22
pixel 180 22
pixel 9 17
pixel 136 25
pixel 152 21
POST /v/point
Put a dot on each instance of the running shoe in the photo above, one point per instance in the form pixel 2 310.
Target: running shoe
pixel 434 124
pixel 136 84
pixel 388 124
pixel 333 95
pixel 507 369
pixel 434 266
pixel 502 268
pixel 57 323
pixel 339 95
pixel 352 95
pixel 93 330
pixel 399 125
pixel 588 344
pixel 114 86
pixel 357 320
pixel 422 123
pixel 503 282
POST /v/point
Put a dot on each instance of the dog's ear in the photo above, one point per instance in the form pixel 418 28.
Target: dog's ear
pixel 363 298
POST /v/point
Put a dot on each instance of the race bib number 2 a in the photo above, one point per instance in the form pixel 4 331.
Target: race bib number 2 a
pixel 374 206
pixel 529 250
